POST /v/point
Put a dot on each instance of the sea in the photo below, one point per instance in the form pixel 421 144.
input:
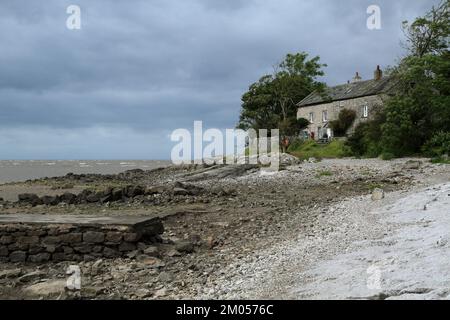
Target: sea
pixel 22 170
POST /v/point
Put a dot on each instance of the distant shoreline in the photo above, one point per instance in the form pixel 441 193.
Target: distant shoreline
pixel 22 170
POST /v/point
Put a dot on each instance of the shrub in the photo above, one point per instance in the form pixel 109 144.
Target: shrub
pixel 345 119
pixel 438 145
pixel 365 140
pixel 387 156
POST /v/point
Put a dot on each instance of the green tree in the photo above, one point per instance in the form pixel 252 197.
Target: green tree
pixel 345 119
pixel 420 108
pixel 271 102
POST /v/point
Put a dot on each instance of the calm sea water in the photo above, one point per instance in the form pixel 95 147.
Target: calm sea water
pixel 20 170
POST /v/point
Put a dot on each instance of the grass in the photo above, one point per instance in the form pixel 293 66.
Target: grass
pixel 445 160
pixel 324 173
pixel 311 149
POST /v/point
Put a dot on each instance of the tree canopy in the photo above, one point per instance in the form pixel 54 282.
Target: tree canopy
pixel 421 107
pixel 271 101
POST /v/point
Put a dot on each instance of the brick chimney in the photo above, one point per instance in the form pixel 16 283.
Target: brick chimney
pixel 356 78
pixel 378 74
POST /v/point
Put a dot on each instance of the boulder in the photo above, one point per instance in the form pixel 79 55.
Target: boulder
pixel 412 165
pixel 134 191
pixel 116 194
pixel 50 200
pixel 184 246
pixel 30 198
pixel 155 190
pixel 377 194
pixel 94 197
pixel 48 289
pixel 68 198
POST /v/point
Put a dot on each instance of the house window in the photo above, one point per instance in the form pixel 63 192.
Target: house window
pixel 324 116
pixel 311 117
pixel 365 111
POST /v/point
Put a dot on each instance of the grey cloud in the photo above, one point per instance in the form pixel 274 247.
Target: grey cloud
pixel 150 66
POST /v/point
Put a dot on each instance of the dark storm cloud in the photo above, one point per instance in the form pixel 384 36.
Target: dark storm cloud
pixel 148 67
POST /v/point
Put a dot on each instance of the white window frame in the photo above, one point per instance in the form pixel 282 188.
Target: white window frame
pixel 324 115
pixel 365 112
pixel 311 117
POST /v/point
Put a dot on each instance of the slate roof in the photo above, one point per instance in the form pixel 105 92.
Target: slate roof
pixel 349 91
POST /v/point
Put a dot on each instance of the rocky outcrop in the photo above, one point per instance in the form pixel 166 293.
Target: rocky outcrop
pixel 110 194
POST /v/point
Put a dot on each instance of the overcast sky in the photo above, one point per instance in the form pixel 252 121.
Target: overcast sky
pixel 137 70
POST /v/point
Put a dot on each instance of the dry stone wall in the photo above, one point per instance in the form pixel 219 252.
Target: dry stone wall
pixel 41 242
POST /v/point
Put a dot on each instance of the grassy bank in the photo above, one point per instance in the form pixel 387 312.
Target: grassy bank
pixel 309 148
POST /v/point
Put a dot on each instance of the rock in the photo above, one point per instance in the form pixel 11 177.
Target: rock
pixel 131 237
pixel 68 198
pixel 116 194
pixel 211 242
pixel 50 240
pixel 127 246
pixel 72 237
pixel 48 289
pixel 93 237
pixel 4 251
pixel 165 277
pixel 82 197
pixel 107 198
pixel 134 191
pixel 150 261
pixel 412 165
pixel 50 200
pixel 155 190
pixel 110 253
pixel 184 246
pixel 173 253
pixel 18 256
pixel 180 192
pixel 91 291
pixel 32 276
pixel 11 273
pixel 160 293
pixel 38 258
pixel 30 198
pixel 377 194
pixel 151 251
pixel 115 237
pixel 94 197
pixel 142 293
pixel 6 239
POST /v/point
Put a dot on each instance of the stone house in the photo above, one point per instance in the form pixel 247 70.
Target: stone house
pixel 362 96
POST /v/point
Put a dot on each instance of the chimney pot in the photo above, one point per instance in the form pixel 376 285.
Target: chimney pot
pixel 356 78
pixel 378 74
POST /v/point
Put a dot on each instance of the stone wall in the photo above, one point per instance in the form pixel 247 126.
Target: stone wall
pixel 333 108
pixel 41 242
